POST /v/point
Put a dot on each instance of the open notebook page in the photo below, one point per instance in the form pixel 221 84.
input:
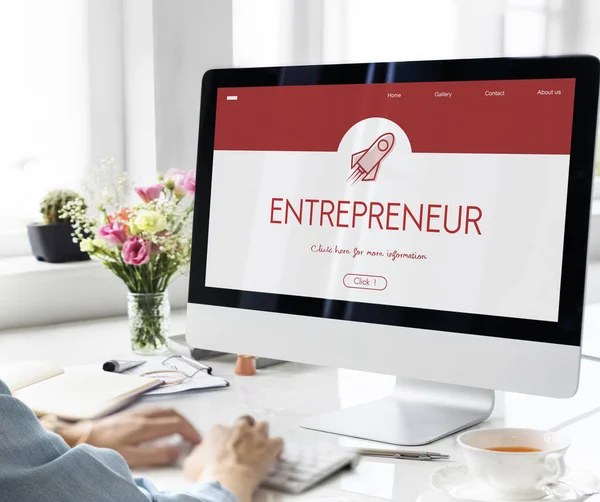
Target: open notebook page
pixel 25 373
pixel 84 393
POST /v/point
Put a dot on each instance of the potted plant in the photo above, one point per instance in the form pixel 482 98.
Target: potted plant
pixel 52 240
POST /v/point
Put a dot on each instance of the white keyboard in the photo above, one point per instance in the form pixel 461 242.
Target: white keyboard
pixel 301 467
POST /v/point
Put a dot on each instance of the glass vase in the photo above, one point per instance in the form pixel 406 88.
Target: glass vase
pixel 149 322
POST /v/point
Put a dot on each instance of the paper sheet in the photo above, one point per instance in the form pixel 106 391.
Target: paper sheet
pixel 22 374
pixel 200 380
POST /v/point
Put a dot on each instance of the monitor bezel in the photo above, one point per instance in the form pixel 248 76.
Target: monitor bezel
pixel 566 331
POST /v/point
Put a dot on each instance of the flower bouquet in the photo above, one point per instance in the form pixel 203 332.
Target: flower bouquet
pixel 146 244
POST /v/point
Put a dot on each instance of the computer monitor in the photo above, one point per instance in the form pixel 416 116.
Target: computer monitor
pixel 423 219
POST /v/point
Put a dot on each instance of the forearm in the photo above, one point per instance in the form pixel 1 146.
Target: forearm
pixel 72 433
pixel 237 479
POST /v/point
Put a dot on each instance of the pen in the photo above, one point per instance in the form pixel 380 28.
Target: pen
pixel 197 364
pixel 403 454
pixel 116 366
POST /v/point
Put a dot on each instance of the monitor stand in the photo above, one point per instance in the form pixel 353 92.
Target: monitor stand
pixel 416 413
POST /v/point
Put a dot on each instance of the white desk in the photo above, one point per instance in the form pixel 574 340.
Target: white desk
pixel 282 394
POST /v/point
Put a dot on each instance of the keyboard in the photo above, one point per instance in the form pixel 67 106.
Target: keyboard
pixel 301 467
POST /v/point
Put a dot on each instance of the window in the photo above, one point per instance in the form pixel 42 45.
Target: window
pixel 270 32
pixel 61 97
pixel 262 37
pixel 380 30
pixel 55 91
pixel 44 122
pixel 525 32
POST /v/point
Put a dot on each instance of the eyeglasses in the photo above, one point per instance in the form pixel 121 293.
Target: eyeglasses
pixel 185 366
pixel 178 365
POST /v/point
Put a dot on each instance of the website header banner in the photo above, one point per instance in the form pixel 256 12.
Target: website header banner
pixel 495 117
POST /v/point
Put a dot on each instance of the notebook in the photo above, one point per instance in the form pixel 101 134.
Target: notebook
pixel 77 393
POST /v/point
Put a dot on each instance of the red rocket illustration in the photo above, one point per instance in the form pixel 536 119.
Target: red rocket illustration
pixel 365 164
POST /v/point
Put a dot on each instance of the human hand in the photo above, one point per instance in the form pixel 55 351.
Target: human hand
pixel 126 432
pixel 239 457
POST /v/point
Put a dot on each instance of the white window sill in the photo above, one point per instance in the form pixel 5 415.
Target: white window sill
pixel 14 243
pixel 21 265
pixel 34 293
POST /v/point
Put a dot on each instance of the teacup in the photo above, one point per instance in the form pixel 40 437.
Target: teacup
pixel 516 464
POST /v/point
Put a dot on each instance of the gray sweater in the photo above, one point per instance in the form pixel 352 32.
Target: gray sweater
pixel 36 465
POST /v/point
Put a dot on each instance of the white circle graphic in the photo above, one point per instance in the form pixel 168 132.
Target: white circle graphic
pixel 372 146
pixel 362 135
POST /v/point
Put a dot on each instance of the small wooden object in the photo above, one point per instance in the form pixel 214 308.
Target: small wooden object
pixel 244 366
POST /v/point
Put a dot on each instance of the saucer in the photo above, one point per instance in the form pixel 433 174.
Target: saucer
pixel 456 482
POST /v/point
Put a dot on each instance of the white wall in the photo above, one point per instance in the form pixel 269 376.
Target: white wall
pixel 190 37
pixel 480 28
pixel 138 89
pixel 590 34
pixel 168 46
pixel 105 39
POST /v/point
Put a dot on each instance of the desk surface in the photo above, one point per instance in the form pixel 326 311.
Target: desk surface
pixel 268 395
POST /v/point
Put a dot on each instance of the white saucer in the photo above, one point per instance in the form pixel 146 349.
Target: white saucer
pixel 457 483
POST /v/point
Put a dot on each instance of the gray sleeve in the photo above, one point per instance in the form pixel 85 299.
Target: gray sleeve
pixel 38 466
pixel 205 492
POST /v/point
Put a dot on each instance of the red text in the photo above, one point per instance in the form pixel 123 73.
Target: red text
pixel 430 218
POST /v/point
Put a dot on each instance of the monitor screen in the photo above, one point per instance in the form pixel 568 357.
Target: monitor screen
pixel 445 196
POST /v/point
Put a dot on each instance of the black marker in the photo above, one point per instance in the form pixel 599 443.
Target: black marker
pixel 114 366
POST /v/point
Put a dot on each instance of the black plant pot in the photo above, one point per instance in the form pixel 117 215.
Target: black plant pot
pixel 54 243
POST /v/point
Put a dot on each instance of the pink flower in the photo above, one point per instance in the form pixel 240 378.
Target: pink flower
pixel 114 232
pixel 149 193
pixel 189 182
pixel 136 251
pixel 174 179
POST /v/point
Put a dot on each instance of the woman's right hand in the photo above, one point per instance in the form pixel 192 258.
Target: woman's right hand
pixel 239 457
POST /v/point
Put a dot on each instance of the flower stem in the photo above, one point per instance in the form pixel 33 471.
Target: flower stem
pixel 149 320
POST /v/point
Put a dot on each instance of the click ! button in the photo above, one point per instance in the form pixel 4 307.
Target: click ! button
pixel 363 281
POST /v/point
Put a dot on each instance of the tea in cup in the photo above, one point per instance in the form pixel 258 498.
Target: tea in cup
pixel 516 464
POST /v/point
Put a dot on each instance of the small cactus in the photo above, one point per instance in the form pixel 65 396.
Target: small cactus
pixel 52 204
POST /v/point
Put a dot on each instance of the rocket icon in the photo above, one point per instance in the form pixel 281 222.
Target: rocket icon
pixel 365 164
